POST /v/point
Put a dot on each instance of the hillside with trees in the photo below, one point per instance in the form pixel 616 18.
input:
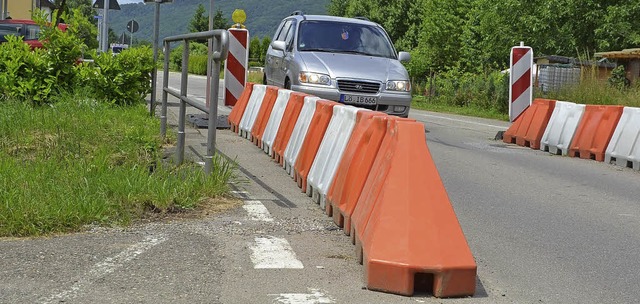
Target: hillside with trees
pixel 262 16
pixel 474 35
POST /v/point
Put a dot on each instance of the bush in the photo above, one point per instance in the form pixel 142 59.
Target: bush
pixel 24 75
pixel 198 64
pixel 40 75
pixel 487 91
pixel 35 75
pixel 175 57
pixel 122 79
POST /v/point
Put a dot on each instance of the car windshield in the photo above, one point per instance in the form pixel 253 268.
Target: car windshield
pixel 343 37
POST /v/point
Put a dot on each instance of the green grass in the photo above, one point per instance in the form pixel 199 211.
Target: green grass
pixel 423 103
pixel 255 77
pixel 74 163
pixel 593 91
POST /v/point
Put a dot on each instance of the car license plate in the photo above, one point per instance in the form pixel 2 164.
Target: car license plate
pixel 369 100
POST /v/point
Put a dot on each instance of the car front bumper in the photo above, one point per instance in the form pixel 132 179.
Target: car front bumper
pixel 397 104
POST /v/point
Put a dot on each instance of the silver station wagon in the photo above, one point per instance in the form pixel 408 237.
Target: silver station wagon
pixel 349 60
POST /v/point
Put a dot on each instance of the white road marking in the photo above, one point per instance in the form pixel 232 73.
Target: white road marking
pixel 460 120
pixel 240 192
pixel 316 296
pixel 273 253
pixel 104 268
pixel 257 211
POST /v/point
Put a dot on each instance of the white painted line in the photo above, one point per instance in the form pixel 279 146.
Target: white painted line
pixel 460 120
pixel 240 192
pixel 104 268
pixel 273 253
pixel 257 211
pixel 316 296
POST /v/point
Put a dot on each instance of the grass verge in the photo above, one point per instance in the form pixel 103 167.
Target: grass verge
pixel 255 77
pixel 78 162
pixel 423 103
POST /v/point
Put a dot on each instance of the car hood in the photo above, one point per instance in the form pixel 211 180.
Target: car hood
pixel 354 66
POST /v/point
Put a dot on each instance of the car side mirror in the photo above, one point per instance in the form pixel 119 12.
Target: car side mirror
pixel 404 57
pixel 279 45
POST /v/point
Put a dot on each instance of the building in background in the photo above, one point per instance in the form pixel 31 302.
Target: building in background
pixel 630 58
pixel 22 9
pixel 555 72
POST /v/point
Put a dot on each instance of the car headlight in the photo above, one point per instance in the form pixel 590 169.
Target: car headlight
pixel 314 78
pixel 398 85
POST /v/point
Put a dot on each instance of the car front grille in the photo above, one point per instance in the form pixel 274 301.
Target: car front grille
pixel 358 86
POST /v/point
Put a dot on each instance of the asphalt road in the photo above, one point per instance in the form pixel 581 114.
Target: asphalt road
pixel 542 228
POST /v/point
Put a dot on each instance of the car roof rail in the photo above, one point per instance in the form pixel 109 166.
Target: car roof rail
pixel 361 18
pixel 297 13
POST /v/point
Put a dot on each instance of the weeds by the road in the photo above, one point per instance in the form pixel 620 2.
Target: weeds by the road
pixel 423 103
pixel 255 77
pixel 592 90
pixel 80 162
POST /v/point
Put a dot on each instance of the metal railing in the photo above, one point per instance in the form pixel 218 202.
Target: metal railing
pixel 217 53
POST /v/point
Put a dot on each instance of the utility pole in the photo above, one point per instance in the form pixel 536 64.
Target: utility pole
pixel 4 11
pixel 154 73
pixel 105 26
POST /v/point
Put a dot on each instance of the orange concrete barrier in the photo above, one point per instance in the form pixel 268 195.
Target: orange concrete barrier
pixel 263 115
pixel 238 110
pixel 354 167
pixel 406 230
pixel 317 128
pixel 528 129
pixel 291 113
pixel 594 131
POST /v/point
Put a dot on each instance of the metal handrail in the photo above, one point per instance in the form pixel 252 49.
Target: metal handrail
pixel 217 53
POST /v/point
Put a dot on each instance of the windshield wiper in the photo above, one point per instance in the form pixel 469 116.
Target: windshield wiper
pixel 354 52
pixel 318 50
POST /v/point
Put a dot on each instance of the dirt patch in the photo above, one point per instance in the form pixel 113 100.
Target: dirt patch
pixel 207 207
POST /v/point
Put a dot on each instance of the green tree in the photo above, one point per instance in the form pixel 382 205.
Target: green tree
pixel 266 41
pixel 219 21
pixel 619 27
pixel 255 49
pixel 199 22
pixel 337 7
pixel 82 12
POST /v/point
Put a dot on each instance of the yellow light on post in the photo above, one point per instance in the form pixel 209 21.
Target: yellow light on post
pixel 239 17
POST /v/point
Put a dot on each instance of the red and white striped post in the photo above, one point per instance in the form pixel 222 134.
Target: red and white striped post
pixel 235 66
pixel 520 80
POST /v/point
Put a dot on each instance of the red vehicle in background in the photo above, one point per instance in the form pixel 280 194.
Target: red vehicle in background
pixel 28 29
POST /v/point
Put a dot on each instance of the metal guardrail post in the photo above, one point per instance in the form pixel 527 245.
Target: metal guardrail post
pixel 214 86
pixel 221 47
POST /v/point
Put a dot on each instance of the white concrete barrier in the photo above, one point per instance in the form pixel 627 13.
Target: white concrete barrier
pixel 251 112
pixel 330 152
pixel 624 147
pixel 299 133
pixel 271 130
pixel 562 126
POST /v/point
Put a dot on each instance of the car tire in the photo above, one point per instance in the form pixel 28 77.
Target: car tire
pixel 264 79
pixel 287 84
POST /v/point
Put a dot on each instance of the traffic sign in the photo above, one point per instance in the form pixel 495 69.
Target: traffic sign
pixel 113 4
pixel 520 80
pixel 132 26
